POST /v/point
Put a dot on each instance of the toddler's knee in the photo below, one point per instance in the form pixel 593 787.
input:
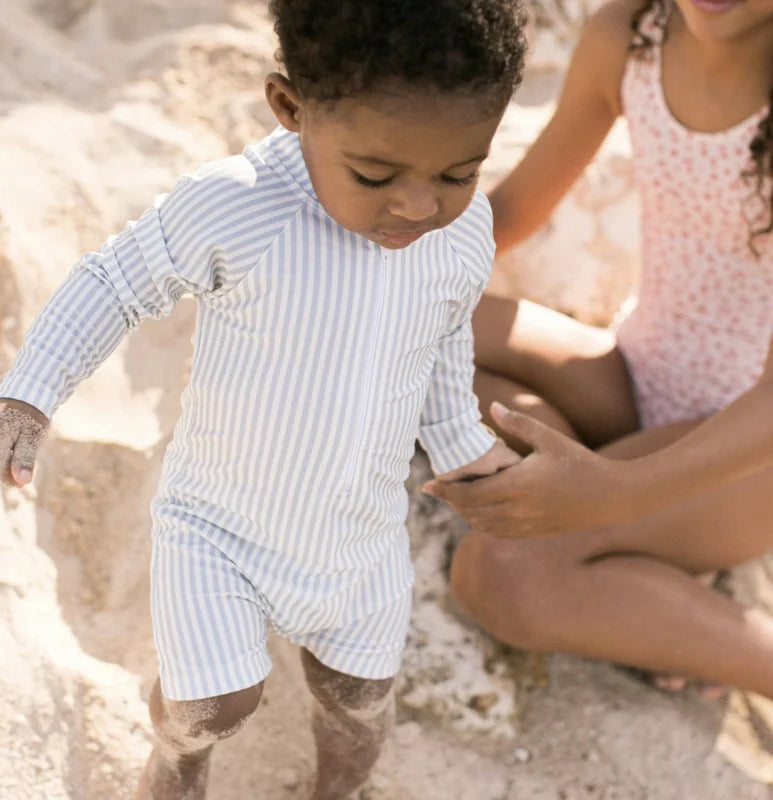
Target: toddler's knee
pixel 195 724
pixel 336 690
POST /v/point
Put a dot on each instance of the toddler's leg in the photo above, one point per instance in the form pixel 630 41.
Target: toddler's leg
pixel 185 733
pixel 351 719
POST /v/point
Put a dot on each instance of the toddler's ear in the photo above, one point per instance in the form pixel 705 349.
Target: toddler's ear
pixel 284 101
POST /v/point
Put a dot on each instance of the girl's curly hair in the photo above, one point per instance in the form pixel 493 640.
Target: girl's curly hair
pixel 334 49
pixel 761 146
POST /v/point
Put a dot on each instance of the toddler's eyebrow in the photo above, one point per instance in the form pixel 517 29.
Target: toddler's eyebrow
pixel 386 163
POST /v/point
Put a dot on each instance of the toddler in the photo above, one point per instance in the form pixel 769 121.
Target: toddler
pixel 336 265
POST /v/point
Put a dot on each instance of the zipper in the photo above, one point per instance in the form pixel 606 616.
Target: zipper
pixel 368 381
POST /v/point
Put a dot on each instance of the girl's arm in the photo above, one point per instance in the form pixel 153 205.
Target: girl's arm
pixel 562 486
pixel 589 105
pixel 731 444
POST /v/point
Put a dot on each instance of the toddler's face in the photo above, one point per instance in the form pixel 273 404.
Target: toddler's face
pixel 393 168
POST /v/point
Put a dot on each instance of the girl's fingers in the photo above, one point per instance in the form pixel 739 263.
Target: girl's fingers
pixel 472 494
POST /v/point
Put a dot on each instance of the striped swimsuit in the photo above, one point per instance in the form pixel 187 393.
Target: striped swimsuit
pixel 319 358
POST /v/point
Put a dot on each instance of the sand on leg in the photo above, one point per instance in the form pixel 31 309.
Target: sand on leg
pixel 186 731
pixel 350 720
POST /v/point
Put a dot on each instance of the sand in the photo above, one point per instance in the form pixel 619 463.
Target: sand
pixel 102 104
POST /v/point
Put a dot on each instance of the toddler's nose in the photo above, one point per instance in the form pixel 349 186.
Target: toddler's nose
pixel 415 203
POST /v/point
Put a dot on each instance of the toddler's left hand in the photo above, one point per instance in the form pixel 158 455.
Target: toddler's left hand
pixel 498 458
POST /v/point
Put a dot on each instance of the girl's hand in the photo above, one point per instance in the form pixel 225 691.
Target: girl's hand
pixel 560 487
pixel 499 457
pixel 22 430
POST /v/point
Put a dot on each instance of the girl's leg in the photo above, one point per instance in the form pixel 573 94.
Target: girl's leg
pixel 489 387
pixel 185 734
pixel 629 594
pixel 351 719
pixel 625 594
pixel 573 368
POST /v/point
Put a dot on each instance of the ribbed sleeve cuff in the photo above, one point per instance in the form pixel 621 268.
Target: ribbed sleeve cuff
pixel 28 390
pixel 456 442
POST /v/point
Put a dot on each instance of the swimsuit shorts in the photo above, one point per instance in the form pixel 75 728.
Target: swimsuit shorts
pixel 215 596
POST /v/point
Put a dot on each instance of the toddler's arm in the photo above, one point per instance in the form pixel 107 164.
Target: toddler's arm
pixel 450 429
pixel 180 245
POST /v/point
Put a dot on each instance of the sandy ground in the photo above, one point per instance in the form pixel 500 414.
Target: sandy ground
pixel 102 104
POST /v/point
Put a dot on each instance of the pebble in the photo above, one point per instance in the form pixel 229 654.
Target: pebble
pixel 483 702
pixel 522 755
pixel 407 732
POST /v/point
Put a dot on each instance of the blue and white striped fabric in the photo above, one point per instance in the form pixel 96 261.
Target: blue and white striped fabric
pixel 319 357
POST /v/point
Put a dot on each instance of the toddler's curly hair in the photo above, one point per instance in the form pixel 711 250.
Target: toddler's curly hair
pixel 335 49
pixel 760 169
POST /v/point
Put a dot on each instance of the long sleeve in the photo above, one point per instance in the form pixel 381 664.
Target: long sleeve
pixel 76 330
pixel 450 429
pixel 190 241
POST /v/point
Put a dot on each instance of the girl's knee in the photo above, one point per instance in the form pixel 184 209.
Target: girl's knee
pixel 511 589
pixel 202 722
pixel 472 584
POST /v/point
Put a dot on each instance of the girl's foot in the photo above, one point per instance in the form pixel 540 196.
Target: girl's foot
pixel 672 684
pixel 669 683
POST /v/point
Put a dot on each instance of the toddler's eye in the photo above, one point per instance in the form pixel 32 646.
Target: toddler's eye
pixel 373 184
pixel 468 179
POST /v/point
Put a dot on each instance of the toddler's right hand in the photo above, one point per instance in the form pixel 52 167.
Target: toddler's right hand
pixel 22 430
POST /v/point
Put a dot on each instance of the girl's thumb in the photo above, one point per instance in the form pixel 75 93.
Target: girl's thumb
pixel 526 428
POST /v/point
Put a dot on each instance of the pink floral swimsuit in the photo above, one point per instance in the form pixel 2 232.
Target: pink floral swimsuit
pixel 696 335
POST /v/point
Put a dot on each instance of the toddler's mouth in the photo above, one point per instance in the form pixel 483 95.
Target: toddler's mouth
pixel 404 237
